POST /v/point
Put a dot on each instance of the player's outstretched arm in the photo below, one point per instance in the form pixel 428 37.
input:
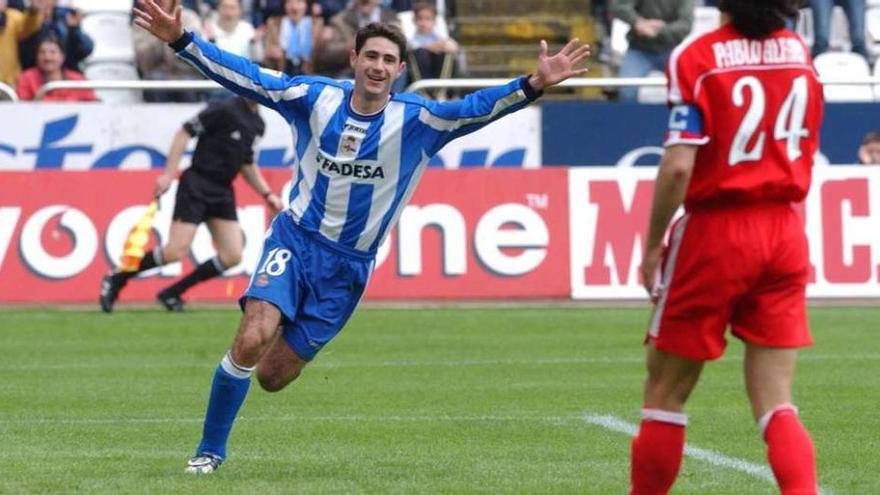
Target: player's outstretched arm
pixel 237 74
pixel 454 119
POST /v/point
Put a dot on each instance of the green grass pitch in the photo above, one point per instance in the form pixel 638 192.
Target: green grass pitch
pixel 440 401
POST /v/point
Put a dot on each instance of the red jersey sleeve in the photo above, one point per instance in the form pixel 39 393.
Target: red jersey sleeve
pixel 686 123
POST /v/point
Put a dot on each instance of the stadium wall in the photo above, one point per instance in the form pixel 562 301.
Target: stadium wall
pixel 474 233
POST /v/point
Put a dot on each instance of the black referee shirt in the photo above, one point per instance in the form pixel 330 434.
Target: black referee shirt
pixel 227 133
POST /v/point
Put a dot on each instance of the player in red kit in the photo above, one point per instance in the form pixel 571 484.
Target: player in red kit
pixel 744 124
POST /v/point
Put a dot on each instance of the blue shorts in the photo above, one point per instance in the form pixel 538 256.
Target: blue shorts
pixel 314 284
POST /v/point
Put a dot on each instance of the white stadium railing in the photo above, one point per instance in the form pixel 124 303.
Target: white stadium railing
pixel 424 84
pixel 8 91
pixel 127 85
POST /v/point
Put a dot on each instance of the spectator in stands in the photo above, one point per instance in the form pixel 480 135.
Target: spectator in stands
pixel 337 38
pixel 855 17
pixel 431 55
pixel 64 24
pixel 14 27
pixel 402 5
pixel 297 37
pixel 156 62
pixel 200 7
pixel 655 28
pixel 328 8
pixel 263 10
pixel 869 152
pixel 50 67
pixel 229 31
pixel 267 21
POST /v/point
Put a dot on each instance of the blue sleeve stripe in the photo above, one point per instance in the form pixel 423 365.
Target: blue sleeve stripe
pixel 499 107
pixel 242 76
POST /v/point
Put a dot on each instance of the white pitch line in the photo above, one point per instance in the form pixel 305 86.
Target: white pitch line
pixel 614 423
pixel 410 363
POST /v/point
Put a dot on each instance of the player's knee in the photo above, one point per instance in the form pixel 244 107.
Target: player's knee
pixel 271 382
pixel 252 343
pixel 257 332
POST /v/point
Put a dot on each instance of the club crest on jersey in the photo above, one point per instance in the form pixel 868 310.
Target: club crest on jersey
pixel 349 146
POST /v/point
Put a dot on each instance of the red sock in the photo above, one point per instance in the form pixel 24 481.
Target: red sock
pixel 657 452
pixel 790 451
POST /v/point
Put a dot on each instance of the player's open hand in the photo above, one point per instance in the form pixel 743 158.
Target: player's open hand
pixel 650 263
pixel 559 67
pixel 167 27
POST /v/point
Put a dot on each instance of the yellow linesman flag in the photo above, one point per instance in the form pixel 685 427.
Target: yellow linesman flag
pixel 137 240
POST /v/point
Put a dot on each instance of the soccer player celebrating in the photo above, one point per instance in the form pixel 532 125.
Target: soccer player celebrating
pixel 360 152
pixel 744 125
pixel 227 133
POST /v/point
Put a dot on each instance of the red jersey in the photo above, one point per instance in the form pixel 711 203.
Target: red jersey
pixel 754 106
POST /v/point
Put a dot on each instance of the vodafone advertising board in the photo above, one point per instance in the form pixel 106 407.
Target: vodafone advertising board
pixel 467 234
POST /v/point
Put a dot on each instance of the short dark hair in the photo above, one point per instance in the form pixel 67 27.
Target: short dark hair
pixel 871 137
pixel 759 18
pixel 381 30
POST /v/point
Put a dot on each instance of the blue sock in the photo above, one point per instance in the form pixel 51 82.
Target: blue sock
pixel 228 390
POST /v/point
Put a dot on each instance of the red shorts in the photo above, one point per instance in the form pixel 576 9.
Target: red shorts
pixel 747 266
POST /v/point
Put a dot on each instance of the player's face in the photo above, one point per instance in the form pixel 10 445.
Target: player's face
pixel 376 67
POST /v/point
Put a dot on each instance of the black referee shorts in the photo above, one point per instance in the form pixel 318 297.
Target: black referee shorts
pixel 193 204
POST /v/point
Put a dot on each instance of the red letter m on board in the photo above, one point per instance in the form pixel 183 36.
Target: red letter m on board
pixel 617 228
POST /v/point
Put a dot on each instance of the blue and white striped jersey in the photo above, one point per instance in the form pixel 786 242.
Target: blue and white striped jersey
pixel 353 173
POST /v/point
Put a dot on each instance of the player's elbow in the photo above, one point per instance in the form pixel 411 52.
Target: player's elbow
pixel 678 170
pixel 678 162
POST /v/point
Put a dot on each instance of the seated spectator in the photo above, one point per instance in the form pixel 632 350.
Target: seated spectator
pixel 855 17
pixel 328 8
pixel 263 10
pixel 200 7
pixel 400 5
pixel 155 61
pixel 431 55
pixel 267 16
pixel 62 23
pixel 337 38
pixel 50 67
pixel 297 36
pixel 869 152
pixel 228 31
pixel 14 27
pixel 655 29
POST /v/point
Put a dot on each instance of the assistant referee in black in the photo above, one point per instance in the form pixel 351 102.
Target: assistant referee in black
pixel 227 134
